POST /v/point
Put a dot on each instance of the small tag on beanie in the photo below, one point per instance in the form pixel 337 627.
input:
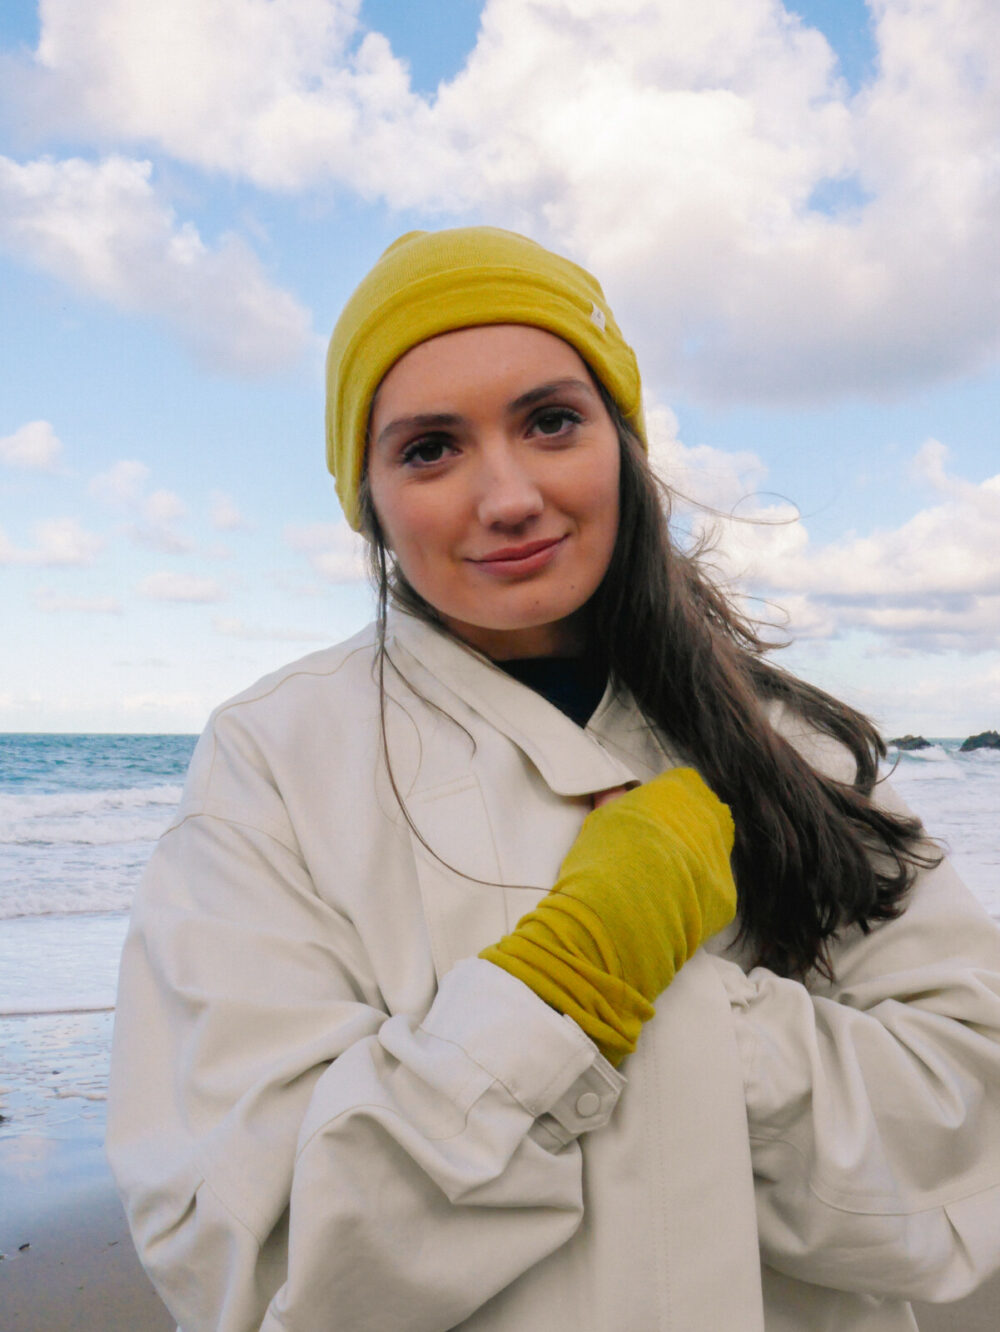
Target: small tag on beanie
pixel 597 316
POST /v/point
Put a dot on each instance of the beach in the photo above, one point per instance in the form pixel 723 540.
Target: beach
pixel 68 1261
pixel 78 819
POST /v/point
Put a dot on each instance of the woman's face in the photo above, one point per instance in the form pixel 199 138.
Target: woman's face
pixel 493 468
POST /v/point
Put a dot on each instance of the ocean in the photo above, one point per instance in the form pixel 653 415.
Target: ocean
pixel 79 815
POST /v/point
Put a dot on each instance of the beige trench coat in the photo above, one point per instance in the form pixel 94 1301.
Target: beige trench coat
pixel 328 1114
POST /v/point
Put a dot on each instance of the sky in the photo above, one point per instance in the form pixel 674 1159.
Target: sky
pixel 792 210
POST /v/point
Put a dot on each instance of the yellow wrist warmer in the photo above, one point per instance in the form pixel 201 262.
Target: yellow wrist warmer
pixel 646 882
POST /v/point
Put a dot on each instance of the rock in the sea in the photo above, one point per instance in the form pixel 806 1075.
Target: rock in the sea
pixel 984 740
pixel 910 742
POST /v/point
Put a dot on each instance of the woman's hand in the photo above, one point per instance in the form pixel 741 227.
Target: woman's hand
pixel 652 864
pixel 646 882
pixel 600 798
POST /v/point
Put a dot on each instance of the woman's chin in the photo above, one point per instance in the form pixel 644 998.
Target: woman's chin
pixel 504 639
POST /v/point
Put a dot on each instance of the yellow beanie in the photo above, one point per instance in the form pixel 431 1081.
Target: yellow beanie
pixel 431 282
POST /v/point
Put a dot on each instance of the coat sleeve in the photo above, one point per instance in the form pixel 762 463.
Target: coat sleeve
pixel 290 1155
pixel 874 1102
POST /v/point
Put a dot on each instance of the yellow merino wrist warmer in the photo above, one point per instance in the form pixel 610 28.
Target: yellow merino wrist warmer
pixel 646 882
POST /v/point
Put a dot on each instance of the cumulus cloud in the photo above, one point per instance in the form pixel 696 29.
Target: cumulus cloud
pixel 168 586
pixel 160 513
pixel 101 227
pixel 123 483
pixel 793 617
pixel 34 445
pixel 681 150
pixel 932 583
pixel 283 92
pixel 700 475
pixel 680 154
pixel 225 513
pixel 334 550
pixel 934 696
pixel 57 542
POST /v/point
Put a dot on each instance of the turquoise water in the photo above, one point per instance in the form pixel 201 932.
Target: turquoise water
pixel 49 764
pixel 79 815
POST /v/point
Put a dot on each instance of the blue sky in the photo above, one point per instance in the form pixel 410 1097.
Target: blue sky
pixel 793 212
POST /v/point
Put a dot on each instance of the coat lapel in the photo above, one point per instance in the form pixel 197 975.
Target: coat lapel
pixel 570 760
pixel 488 850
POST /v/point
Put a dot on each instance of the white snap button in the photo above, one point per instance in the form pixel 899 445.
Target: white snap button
pixel 588 1104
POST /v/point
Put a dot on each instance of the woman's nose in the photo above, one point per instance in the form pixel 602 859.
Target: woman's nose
pixel 509 495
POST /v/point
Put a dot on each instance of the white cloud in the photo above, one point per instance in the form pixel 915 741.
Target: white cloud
pixel 334 550
pixel 100 227
pixel 684 174
pixel 34 445
pixel 65 541
pixel 164 506
pixel 700 475
pixel 47 599
pixel 225 513
pixel 790 618
pixel 676 148
pixel 932 583
pixel 161 511
pixel 57 542
pixel 168 586
pixel 935 696
pixel 123 483
pixel 273 91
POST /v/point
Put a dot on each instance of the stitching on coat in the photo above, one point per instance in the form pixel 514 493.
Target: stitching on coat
pixel 206 1183
pixel 238 819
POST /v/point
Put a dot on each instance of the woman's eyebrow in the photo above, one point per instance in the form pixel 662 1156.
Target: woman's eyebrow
pixel 544 391
pixel 422 421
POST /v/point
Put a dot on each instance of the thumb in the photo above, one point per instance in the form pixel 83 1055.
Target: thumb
pixel 600 798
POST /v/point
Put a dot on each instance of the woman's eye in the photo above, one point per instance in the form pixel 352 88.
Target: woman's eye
pixel 424 451
pixel 556 420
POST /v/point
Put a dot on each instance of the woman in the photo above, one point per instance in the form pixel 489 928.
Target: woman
pixel 385 965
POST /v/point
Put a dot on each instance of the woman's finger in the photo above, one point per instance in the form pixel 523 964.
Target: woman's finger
pixel 600 798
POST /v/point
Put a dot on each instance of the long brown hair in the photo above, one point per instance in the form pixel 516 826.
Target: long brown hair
pixel 812 855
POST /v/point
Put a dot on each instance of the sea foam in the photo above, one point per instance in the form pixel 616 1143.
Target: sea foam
pixel 90 818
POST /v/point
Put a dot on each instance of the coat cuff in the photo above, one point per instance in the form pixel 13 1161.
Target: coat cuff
pixel 543 1059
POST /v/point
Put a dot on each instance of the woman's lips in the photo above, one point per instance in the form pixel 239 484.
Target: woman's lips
pixel 528 558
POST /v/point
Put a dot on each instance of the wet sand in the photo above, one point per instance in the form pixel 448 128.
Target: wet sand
pixel 66 1260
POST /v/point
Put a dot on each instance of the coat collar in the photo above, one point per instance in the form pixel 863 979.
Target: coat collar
pixel 617 746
